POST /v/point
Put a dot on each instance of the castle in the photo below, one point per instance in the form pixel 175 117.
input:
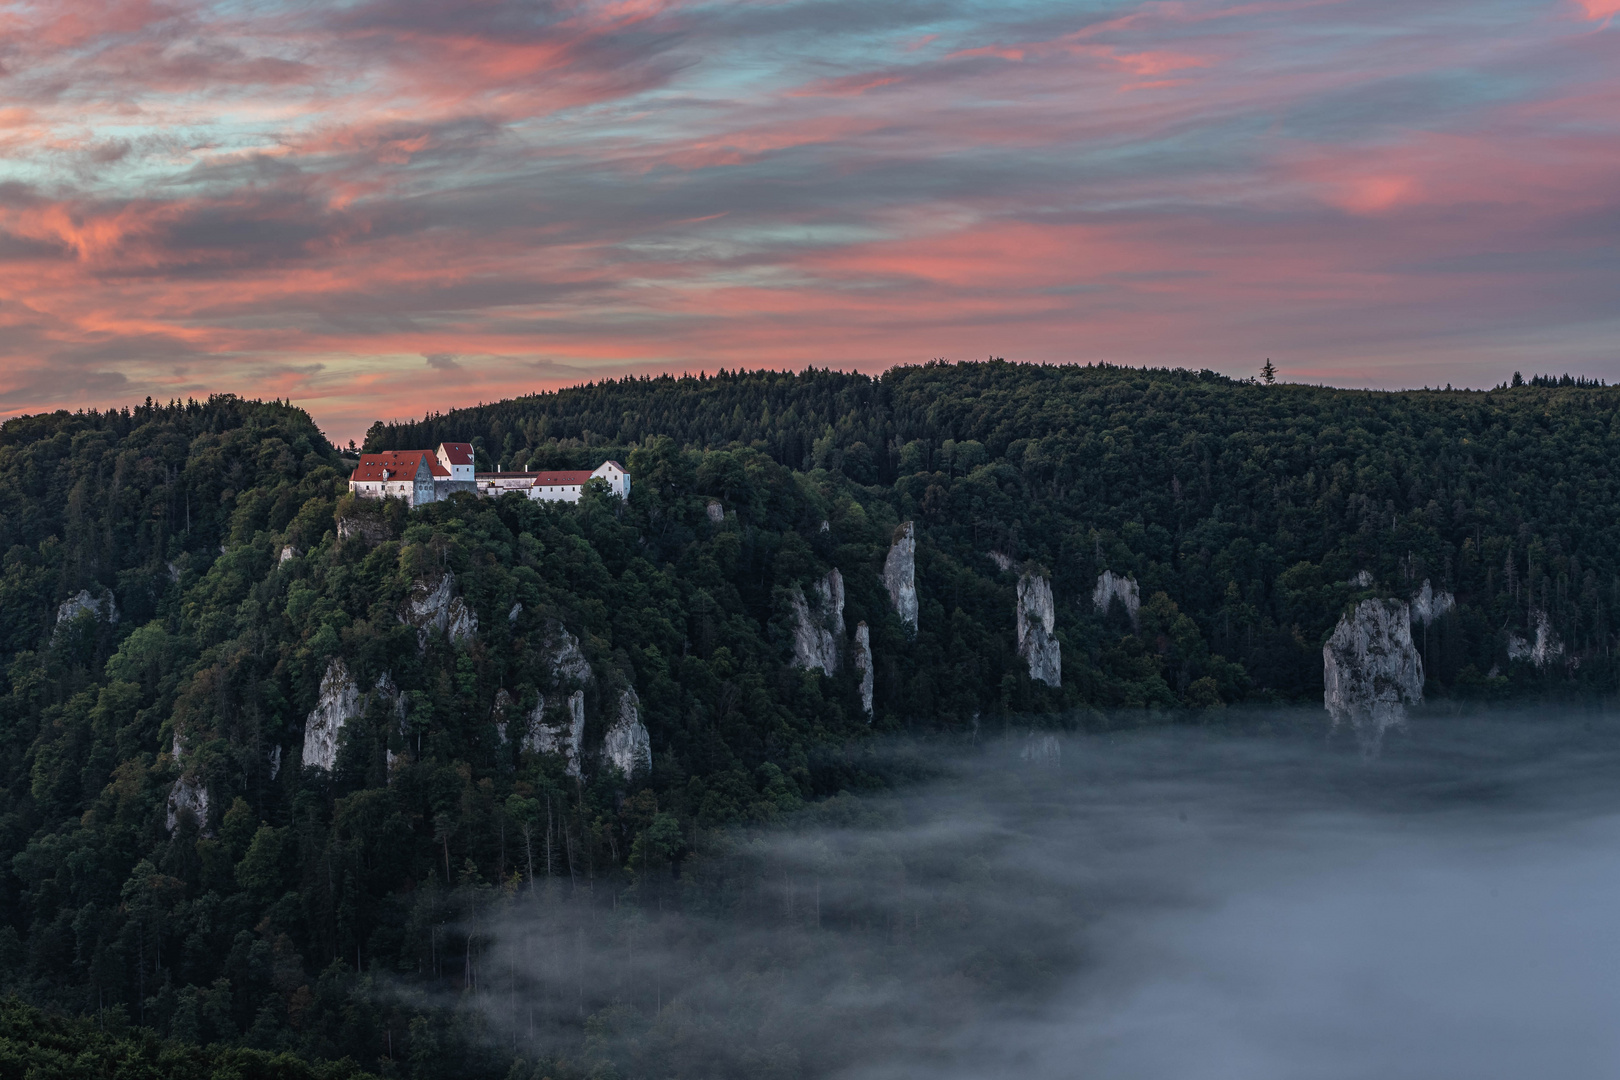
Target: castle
pixel 424 476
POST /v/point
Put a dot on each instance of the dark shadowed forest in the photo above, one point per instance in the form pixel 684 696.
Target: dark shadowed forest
pixel 349 913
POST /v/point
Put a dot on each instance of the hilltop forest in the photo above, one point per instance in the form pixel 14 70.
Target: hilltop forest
pixel 178 579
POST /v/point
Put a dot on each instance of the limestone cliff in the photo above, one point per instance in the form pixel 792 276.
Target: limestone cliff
pixel 436 607
pixel 104 608
pixel 288 552
pixel 1036 619
pixel 817 633
pixel 627 744
pixel 362 527
pixel 568 663
pixel 1112 587
pixel 1430 605
pixel 900 575
pixel 563 731
pixel 1370 669
pixel 565 736
pixel 1543 649
pixel 716 512
pixel 501 713
pixel 863 664
pixel 339 703
pixel 188 795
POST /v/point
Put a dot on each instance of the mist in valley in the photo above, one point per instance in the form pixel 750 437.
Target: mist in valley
pixel 1258 899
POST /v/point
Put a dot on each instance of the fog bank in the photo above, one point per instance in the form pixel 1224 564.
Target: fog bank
pixel 1254 901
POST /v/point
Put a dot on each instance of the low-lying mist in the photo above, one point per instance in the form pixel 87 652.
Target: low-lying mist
pixel 1253 901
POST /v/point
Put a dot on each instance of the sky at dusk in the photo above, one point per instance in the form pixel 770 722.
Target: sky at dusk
pixel 381 208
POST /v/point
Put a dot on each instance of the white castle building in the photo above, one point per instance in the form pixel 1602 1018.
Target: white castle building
pixel 424 476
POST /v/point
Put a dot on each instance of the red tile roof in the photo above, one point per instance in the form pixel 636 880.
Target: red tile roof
pixel 562 479
pixel 400 465
pixel 459 453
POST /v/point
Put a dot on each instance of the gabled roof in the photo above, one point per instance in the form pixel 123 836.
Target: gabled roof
pixel 613 463
pixel 458 453
pixel 562 479
pixel 398 464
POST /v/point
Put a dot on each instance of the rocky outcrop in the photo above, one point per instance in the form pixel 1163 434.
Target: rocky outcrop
pixel 188 795
pixel 1363 579
pixel 1037 619
pixel 1003 562
pixel 627 744
pixel 900 575
pixel 817 633
pixel 568 663
pixel 389 693
pixel 288 552
pixel 1370 669
pixel 513 612
pixel 546 736
pixel 1429 605
pixel 863 664
pixel 501 713
pixel 103 607
pixel 1112 587
pixel 436 607
pixel 275 761
pixel 1543 650
pixel 716 512
pixel 339 703
pixel 362 527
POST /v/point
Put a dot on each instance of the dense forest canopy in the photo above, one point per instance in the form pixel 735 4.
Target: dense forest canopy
pixel 179 580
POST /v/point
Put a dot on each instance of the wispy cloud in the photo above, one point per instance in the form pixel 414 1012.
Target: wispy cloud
pixel 1364 190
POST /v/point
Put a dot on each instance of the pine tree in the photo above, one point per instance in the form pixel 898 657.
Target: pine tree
pixel 1269 372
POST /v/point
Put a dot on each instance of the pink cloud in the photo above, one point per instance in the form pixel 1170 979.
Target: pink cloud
pixel 1597 10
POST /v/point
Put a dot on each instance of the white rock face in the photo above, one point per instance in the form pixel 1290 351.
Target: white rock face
pixel 900 575
pixel 368 529
pixel 1430 604
pixel 1546 647
pixel 437 608
pixel 816 634
pixel 503 706
pixel 513 612
pixel 1036 619
pixel 339 703
pixel 565 738
pixel 287 552
pixel 188 793
pixel 1041 749
pixel 1370 669
pixel 1111 587
pixel 1003 562
pixel 275 761
pixel 1363 579
pixel 104 608
pixel 716 512
pixel 627 744
pixel 386 689
pixel 863 664
pixel 567 659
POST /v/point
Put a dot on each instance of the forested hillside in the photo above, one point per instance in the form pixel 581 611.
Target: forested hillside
pixel 169 859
